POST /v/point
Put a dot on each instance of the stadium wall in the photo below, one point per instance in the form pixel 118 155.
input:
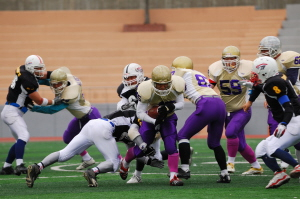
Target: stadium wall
pixel 135 4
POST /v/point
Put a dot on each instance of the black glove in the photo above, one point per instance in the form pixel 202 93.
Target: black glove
pixel 160 119
pixel 148 150
pixel 166 109
pixel 153 162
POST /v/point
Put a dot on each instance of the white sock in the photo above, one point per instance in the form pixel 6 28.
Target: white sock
pixel 231 159
pixel 86 157
pixel 185 167
pixel 6 165
pixel 19 161
pixel 138 173
pixel 255 165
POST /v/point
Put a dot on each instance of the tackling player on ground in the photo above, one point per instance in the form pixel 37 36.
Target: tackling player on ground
pixel 69 88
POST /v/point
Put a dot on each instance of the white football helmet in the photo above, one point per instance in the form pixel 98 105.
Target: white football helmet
pixel 269 46
pixel 133 70
pixel 161 80
pixel 231 58
pixel 35 65
pixel 58 81
pixel 262 69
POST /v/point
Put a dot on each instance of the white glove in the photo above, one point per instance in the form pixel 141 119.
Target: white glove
pixel 132 98
pixel 279 131
pixel 128 105
pixel 246 83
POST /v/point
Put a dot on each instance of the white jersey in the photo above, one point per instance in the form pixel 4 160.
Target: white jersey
pixel 196 84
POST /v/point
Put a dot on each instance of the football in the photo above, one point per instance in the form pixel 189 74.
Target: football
pixel 153 112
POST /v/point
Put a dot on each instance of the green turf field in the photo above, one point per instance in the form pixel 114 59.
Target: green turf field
pixel 67 183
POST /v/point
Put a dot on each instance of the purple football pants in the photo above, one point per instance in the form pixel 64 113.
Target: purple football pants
pixel 168 134
pixel 76 125
pixel 210 112
pixel 235 124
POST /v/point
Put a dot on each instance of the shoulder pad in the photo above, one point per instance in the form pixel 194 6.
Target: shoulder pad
pixel 245 68
pixel 145 91
pixel 288 59
pixel 180 71
pixel 216 68
pixel 178 84
pixel 71 92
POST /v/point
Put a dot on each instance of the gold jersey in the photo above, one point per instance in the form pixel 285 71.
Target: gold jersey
pixel 146 92
pixel 196 84
pixel 233 94
pixel 73 96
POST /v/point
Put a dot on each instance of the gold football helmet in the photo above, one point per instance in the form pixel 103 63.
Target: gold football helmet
pixel 58 81
pixel 182 62
pixel 161 80
pixel 231 58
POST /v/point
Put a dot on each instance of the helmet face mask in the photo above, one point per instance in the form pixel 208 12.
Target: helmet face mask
pixel 35 65
pixel 231 58
pixel 58 81
pixel 182 62
pixel 269 46
pixel 161 80
pixel 263 68
pixel 133 75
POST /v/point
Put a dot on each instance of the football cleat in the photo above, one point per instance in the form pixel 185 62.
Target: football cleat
pixel 33 172
pixel 134 179
pixel 7 171
pixel 183 174
pixel 86 164
pixel 253 171
pixel 224 179
pixel 230 167
pixel 191 154
pixel 123 171
pixel 20 169
pixel 279 179
pixel 296 172
pixel 176 182
pixel 90 177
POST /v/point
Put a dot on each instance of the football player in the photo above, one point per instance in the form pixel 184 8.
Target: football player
pixel 288 63
pixel 22 92
pixel 166 91
pixel 102 133
pixel 225 74
pixel 69 88
pixel 133 75
pixel 285 107
pixel 210 110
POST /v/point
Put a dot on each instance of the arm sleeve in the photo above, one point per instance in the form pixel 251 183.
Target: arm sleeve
pixel 288 112
pixel 141 113
pixel 121 103
pixel 292 74
pixel 179 102
pixel 49 109
pixel 44 82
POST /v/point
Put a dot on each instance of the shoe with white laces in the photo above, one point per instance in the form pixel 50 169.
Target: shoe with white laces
pixel 296 172
pixel 230 167
pixel 134 179
pixel 86 164
pixel 123 171
pixel 90 177
pixel 254 171
pixel 176 182
pixel 279 179
pixel 191 154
